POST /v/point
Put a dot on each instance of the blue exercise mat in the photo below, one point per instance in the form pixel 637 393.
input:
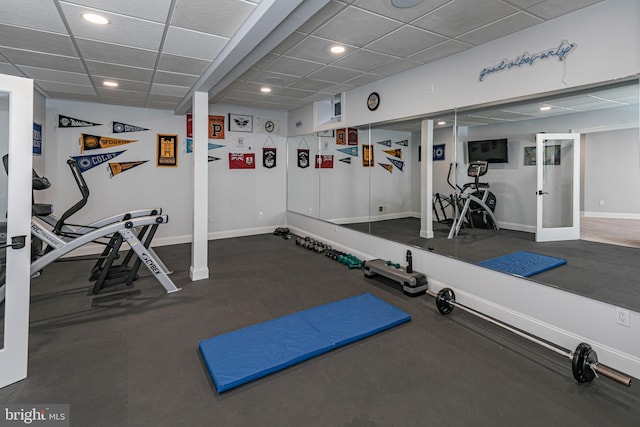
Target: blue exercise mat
pixel 523 263
pixel 241 356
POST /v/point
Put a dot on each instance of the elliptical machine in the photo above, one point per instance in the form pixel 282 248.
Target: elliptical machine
pixel 478 203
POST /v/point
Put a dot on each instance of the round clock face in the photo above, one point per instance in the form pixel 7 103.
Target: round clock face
pixel 373 101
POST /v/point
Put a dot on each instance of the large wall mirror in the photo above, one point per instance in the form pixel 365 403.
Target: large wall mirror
pixel 377 188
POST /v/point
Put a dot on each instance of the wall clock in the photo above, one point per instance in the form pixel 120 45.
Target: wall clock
pixel 373 101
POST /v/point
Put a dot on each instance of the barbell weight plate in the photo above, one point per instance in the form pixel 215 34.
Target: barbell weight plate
pixel 444 300
pixel 583 357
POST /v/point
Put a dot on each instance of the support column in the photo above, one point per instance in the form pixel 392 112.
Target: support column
pixel 426 178
pixel 200 111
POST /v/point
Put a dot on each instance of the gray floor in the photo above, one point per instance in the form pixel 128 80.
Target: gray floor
pixel 607 273
pixel 133 360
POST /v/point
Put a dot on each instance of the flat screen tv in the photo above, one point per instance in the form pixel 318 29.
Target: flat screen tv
pixel 491 150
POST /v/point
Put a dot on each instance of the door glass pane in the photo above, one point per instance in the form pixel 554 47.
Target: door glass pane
pixel 558 184
pixel 4 148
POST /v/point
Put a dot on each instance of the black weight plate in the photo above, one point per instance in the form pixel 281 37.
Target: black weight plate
pixel 581 363
pixel 445 301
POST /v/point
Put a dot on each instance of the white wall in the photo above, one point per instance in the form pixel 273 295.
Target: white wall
pixel 240 201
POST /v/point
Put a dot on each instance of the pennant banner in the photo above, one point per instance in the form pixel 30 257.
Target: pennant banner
pixel 242 161
pixel 189 126
pixel 119 127
pixel 387 166
pixel 189 143
pixel 404 142
pixel 346 160
pixel 94 142
pixel 303 158
pixel 118 167
pixel 352 151
pixel 324 161
pixel 397 152
pixel 70 122
pixel 269 157
pixel 91 161
pixel 386 143
pixel 352 136
pixel 213 159
pixel 214 146
pixel 367 156
pixel 397 163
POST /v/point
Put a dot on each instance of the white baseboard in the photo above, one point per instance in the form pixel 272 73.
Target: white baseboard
pixel 612 215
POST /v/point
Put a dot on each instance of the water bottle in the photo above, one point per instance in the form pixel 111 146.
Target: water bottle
pixel 409 268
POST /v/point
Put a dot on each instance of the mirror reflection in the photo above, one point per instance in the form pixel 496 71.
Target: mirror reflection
pixel 523 156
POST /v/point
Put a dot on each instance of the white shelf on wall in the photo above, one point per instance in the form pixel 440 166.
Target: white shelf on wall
pixel 324 113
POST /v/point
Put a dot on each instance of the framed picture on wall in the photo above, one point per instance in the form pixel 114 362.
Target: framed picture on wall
pixel 240 123
pixel 551 155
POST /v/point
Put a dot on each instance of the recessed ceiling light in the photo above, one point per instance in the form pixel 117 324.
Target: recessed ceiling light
pixel 545 108
pixel 95 19
pixel 265 89
pixel 109 83
pixel 405 3
pixel 337 49
pixel 442 123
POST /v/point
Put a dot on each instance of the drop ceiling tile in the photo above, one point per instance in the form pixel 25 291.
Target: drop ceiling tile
pixel 161 105
pixel 164 98
pixel 276 79
pixel 174 79
pixel 293 92
pixel 384 7
pixel 6 68
pixel 56 76
pixel 266 60
pixel 222 18
pixel 32 14
pixel 461 16
pixel 311 85
pixel 293 66
pixel 357 27
pixel 501 28
pixel 334 74
pixel 323 15
pixel 116 54
pixel 406 41
pixel 553 8
pixel 289 42
pixel 525 3
pixel 193 44
pixel 447 48
pixel 365 79
pixel 66 87
pixel 123 30
pixel 73 96
pixel 118 93
pixel 35 40
pixel 153 10
pixel 365 60
pixel 42 60
pixel 339 88
pixel 123 100
pixel 318 50
pixel 181 64
pixel 396 67
pixel 113 71
pixel 178 91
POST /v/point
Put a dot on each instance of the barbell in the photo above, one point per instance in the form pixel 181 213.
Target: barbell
pixel 584 360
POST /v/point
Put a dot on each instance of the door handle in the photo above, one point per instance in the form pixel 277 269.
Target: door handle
pixel 540 192
pixel 17 242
